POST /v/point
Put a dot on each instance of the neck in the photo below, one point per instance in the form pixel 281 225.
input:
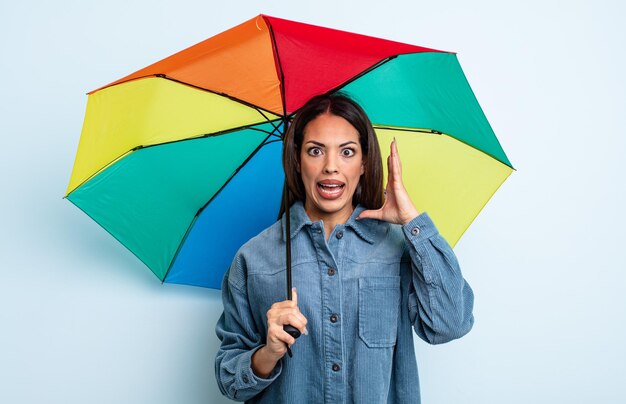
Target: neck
pixel 330 219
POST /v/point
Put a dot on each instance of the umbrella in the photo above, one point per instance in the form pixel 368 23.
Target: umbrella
pixel 181 160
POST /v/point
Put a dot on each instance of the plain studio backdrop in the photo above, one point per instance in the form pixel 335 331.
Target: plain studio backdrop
pixel 83 321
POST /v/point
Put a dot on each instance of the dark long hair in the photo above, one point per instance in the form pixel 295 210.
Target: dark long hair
pixel 369 192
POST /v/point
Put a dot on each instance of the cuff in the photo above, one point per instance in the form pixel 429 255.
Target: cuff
pixel 247 379
pixel 420 228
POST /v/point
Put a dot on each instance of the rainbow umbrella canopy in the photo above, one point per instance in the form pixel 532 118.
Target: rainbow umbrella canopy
pixel 181 161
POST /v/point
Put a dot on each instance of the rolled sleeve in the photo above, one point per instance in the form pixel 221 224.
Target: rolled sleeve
pixel 247 383
pixel 249 379
pixel 419 229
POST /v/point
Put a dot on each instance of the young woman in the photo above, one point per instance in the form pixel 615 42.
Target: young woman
pixel 368 268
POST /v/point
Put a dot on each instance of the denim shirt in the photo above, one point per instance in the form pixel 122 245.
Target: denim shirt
pixel 362 291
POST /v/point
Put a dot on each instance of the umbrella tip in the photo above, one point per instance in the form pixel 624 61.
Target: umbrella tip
pixel 257 22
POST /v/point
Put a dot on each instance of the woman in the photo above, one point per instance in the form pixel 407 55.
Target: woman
pixel 368 269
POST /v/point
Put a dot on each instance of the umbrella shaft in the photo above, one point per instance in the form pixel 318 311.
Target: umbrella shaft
pixel 287 241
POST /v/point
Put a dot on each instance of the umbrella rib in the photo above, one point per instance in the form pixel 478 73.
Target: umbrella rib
pixel 263 143
pixel 266 132
pixel 276 128
pixel 206 135
pixel 436 132
pixel 364 72
pixel 273 141
pixel 230 97
pixel 182 241
pixel 260 111
pixel 280 68
pixel 431 131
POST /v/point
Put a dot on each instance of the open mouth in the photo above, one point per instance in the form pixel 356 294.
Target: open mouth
pixel 330 189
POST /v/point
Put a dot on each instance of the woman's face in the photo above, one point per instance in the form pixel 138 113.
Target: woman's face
pixel 331 163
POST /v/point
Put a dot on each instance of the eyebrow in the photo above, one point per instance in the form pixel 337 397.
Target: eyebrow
pixel 323 145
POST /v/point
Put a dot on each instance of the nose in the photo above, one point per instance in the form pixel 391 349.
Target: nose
pixel 330 164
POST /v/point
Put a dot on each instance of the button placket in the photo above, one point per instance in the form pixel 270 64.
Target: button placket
pixel 331 284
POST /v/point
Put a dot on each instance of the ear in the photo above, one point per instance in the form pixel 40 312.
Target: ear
pixel 362 168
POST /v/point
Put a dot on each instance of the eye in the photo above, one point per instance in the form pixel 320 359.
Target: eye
pixel 348 152
pixel 314 151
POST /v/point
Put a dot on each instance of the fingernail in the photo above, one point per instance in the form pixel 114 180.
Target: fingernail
pixel 305 332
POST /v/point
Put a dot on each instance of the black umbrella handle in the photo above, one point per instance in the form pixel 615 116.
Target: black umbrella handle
pixel 294 332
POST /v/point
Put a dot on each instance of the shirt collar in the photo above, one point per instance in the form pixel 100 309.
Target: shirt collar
pixel 298 217
pixel 364 228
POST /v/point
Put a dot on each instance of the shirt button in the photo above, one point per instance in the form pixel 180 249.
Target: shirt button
pixel 336 367
pixel 334 318
pixel 415 231
pixel 245 379
pixel 331 271
pixel 339 234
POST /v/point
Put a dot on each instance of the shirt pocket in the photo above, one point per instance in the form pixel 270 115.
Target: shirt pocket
pixel 379 308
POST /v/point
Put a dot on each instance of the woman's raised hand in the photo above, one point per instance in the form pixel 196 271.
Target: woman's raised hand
pixel 398 207
pixel 281 313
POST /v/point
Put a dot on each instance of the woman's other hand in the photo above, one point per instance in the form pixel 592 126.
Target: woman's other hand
pixel 398 207
pixel 280 314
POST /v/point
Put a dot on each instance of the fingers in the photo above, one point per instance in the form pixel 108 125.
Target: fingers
pixel 395 163
pixel 287 312
pixel 277 335
pixel 391 163
pixel 288 315
pixel 371 214
pixel 277 342
pixel 295 319
pixel 394 147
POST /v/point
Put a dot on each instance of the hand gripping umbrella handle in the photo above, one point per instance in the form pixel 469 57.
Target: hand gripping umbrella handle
pixel 290 329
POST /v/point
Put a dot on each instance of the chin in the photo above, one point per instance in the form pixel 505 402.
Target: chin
pixel 331 207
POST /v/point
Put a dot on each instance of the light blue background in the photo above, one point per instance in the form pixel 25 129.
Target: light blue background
pixel 83 321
